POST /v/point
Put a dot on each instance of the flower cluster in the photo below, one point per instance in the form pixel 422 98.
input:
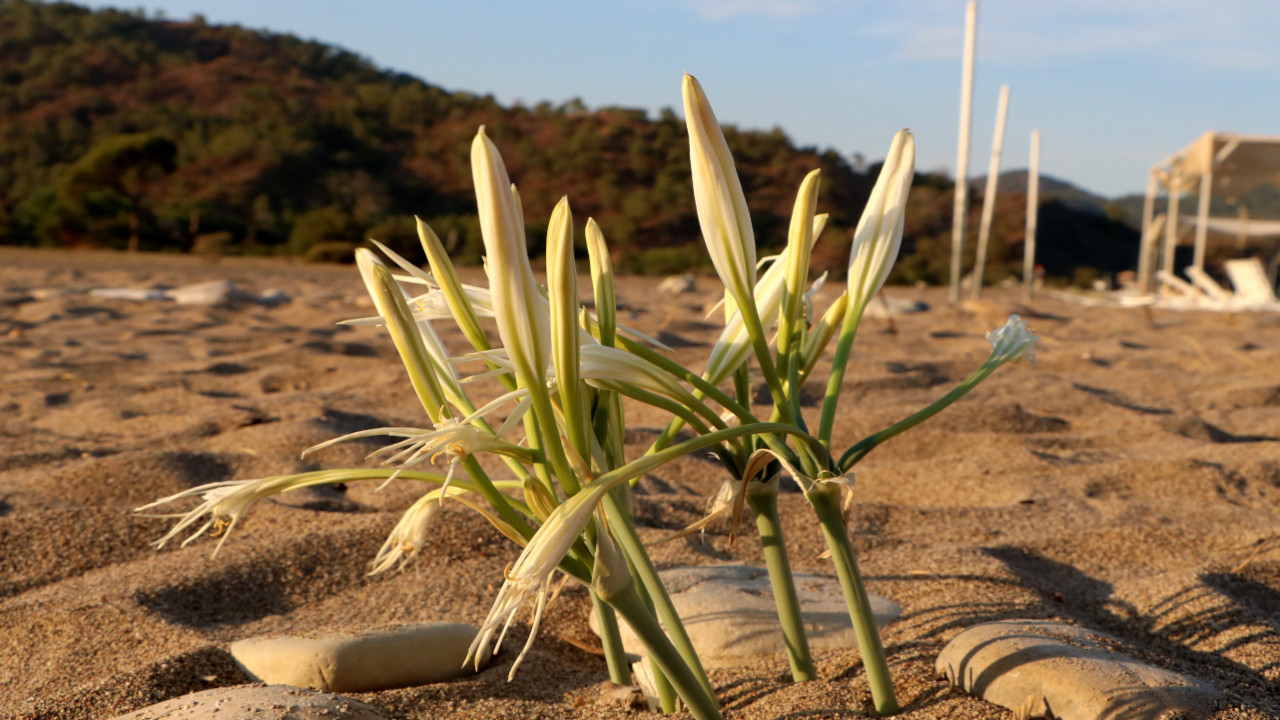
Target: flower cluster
pixel 564 372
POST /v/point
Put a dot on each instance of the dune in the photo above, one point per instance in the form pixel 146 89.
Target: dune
pixel 1129 484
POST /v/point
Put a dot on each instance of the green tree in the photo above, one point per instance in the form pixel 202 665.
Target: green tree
pixel 125 168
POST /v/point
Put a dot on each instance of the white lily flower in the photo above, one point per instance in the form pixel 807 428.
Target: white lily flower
pixel 410 532
pixel 530 576
pixel 879 234
pixel 452 438
pixel 717 192
pixel 224 503
pixel 1013 342
pixel 734 344
pixel 519 306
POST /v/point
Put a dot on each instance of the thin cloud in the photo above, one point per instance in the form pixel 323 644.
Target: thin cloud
pixel 725 9
pixel 1223 34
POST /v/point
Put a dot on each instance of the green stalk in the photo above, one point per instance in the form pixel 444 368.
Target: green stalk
pixel 742 384
pixel 826 503
pixel 743 412
pixel 667 698
pixel 499 501
pixel 699 384
pixel 690 684
pixel 614 655
pixel 835 381
pixel 630 543
pixel 765 506
pixel 760 344
pixel 869 443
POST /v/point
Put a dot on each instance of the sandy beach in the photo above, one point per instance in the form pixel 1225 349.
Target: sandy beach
pixel 1129 484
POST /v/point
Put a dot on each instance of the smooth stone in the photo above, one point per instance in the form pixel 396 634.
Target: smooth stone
pixel 679 284
pixel 260 702
pixel 1048 669
pixel 730 615
pixel 380 660
pixel 273 297
pixel 889 307
pixel 134 294
pixel 213 292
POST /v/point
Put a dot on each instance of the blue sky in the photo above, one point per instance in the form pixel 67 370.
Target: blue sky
pixel 1113 85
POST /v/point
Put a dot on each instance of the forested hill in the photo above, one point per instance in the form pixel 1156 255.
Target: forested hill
pixel 183 135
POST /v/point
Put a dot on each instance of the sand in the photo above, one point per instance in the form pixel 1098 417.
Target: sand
pixel 1129 484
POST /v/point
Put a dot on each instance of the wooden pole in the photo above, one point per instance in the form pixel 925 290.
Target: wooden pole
pixel 989 200
pixel 1202 216
pixel 1171 221
pixel 962 159
pixel 1145 260
pixel 1033 209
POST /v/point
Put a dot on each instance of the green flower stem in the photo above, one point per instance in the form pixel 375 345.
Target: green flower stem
pixel 545 418
pixel 826 503
pixel 625 533
pixel 614 655
pixel 742 384
pixel 765 506
pixel 835 381
pixel 667 698
pixel 701 385
pixel 760 344
pixel 742 411
pixel 662 402
pixel 869 443
pixel 500 502
pixel 690 684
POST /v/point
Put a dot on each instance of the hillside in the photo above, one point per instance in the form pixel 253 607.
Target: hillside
pixel 118 130
pixel 1051 189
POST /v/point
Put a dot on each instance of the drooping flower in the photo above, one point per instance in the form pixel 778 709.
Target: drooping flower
pixel 452 438
pixel 529 578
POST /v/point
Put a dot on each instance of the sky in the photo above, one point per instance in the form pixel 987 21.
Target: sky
pixel 1114 86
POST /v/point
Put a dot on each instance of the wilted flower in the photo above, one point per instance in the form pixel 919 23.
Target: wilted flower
pixel 530 576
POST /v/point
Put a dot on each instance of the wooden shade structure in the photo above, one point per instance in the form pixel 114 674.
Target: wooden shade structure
pixel 1216 164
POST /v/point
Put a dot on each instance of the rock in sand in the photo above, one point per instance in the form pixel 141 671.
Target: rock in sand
pixel 381 660
pixel 260 702
pixel 1047 669
pixel 731 617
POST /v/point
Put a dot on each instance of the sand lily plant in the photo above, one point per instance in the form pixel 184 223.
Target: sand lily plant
pixel 564 371
pixel 779 298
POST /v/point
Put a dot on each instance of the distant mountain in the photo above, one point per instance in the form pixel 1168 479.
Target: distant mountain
pixel 121 129
pixel 1051 188
pixel 116 127
pixel 1261 202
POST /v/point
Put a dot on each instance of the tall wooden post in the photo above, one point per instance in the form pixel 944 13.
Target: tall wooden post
pixel 1033 209
pixel 1202 216
pixel 1171 221
pixel 962 159
pixel 1148 244
pixel 989 200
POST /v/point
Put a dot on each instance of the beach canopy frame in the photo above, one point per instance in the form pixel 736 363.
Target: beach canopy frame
pixel 1215 164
